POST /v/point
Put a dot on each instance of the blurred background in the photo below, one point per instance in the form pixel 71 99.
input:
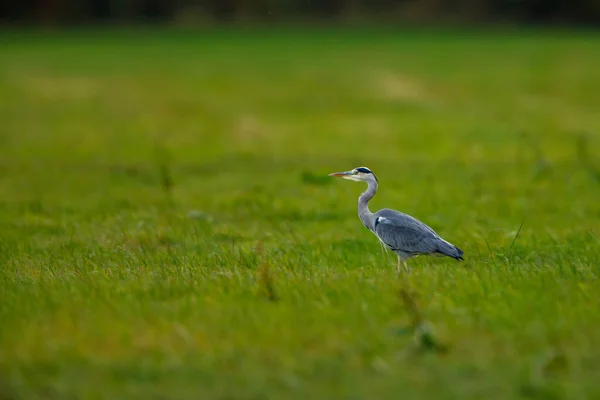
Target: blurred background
pixel 92 106
pixel 215 11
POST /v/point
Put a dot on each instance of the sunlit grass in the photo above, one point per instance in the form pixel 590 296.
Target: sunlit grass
pixel 168 228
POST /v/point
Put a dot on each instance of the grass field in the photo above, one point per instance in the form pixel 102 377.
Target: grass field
pixel 168 229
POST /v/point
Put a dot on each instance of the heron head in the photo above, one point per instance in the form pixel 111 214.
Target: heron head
pixel 360 174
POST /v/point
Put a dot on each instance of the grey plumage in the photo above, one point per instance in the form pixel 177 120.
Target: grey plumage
pixel 404 235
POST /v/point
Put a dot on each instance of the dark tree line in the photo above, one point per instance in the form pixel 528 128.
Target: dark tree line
pixel 85 11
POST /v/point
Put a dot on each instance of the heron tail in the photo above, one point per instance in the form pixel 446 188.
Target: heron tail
pixel 450 250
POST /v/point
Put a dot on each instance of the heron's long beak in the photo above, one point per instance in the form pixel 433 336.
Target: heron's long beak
pixel 341 174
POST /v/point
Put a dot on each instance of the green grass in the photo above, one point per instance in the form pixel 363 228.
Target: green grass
pixel 168 229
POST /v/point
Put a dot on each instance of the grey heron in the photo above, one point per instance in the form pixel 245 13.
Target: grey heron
pixel 404 235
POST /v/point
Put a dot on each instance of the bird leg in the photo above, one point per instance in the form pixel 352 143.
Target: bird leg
pixel 400 263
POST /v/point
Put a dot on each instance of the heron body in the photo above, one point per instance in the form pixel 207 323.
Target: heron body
pixel 404 235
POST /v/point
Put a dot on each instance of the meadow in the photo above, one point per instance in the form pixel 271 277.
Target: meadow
pixel 168 229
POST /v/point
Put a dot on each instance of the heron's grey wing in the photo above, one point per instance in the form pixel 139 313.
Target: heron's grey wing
pixel 401 232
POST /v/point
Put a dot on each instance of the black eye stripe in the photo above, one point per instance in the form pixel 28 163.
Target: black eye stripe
pixel 363 170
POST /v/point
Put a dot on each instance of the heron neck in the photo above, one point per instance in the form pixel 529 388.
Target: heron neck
pixel 366 216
